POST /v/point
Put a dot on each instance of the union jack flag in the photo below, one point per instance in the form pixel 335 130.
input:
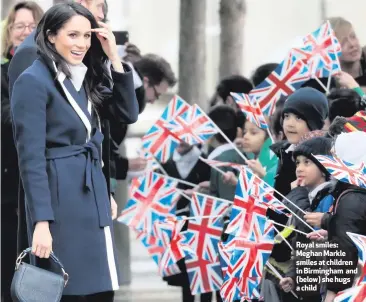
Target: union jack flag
pixel 232 287
pixel 321 51
pixel 261 229
pixel 224 257
pixel 252 257
pixel 343 171
pixel 155 251
pixel 230 290
pixel 193 126
pixel 135 184
pixel 250 288
pixel 266 196
pixel 246 205
pixel 218 164
pixel 153 200
pixel 249 106
pixel 152 163
pixel 283 81
pixel 159 141
pixel 203 234
pixel 204 276
pixel 353 294
pixel 176 106
pixel 360 242
pixel 172 239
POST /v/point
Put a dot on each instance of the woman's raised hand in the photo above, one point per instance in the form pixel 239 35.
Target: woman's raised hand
pixel 108 41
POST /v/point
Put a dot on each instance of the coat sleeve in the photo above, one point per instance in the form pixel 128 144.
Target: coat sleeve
pixel 23 58
pixel 28 108
pixel 325 220
pixel 214 190
pixel 299 196
pixel 121 167
pixel 350 216
pixel 120 105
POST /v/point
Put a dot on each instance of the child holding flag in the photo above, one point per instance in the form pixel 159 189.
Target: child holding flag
pixel 313 179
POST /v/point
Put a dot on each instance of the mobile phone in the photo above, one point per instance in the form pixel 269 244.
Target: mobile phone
pixel 121 37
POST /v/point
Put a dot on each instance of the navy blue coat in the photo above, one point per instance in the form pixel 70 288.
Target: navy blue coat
pixel 61 171
pixel 126 112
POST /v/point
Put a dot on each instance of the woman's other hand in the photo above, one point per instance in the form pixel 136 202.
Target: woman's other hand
pixel 42 240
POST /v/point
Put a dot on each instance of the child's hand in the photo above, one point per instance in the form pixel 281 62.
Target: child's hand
pixel 230 178
pixel 189 192
pixel 315 235
pixel 257 168
pixel 314 219
pixel 297 183
pixel 330 296
pixel 346 80
pixel 204 185
pixel 287 284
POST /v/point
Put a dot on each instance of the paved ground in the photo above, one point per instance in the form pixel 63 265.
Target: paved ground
pixel 146 284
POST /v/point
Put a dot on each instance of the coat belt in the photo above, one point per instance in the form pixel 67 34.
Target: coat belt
pixel 93 172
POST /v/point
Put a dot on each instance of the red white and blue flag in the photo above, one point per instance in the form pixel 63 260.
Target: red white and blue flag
pixel 266 196
pixel 360 243
pixel 252 254
pixel 193 126
pixel 155 251
pixel 152 201
pixel 159 141
pixel 246 205
pixel 218 164
pixel 224 257
pixel 230 290
pixel 321 51
pixel 283 81
pixel 168 231
pixel 249 106
pixel 353 294
pixel 204 276
pixel 343 171
pixel 203 234
pixel 152 163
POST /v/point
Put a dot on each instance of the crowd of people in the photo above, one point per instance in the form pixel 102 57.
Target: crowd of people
pixel 67 99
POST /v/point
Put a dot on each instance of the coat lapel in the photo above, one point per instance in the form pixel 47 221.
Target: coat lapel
pixel 79 97
pixel 71 95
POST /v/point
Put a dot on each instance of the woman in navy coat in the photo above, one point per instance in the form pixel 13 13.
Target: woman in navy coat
pixel 56 107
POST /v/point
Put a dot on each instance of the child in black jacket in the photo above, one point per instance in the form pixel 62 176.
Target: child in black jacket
pixel 311 194
pixel 348 213
pixel 304 111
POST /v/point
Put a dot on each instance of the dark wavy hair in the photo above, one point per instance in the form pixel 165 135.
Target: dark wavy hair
pixel 226 119
pixel 53 20
pixel 344 102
